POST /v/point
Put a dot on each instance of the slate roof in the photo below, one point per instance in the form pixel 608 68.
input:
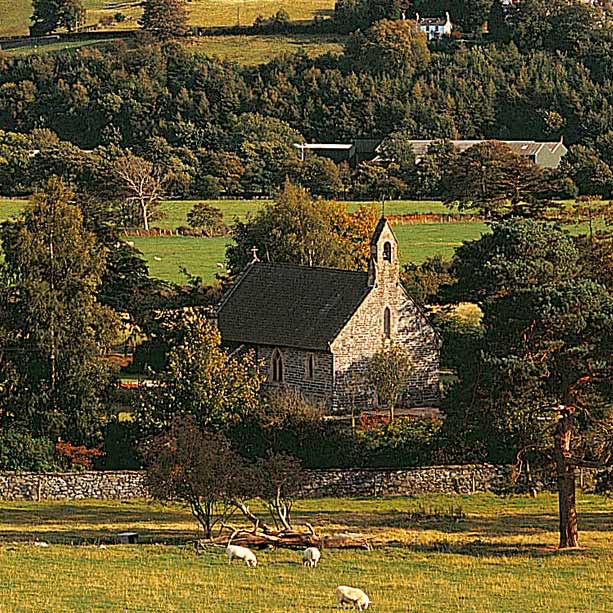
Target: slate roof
pixel 381 224
pixel 290 306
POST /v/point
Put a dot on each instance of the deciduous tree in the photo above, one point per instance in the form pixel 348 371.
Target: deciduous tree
pixel 200 380
pixel 207 218
pixel 296 229
pixel 165 18
pixel 140 183
pixel 390 47
pixel 387 373
pixel 197 468
pixel 55 333
pixel 49 15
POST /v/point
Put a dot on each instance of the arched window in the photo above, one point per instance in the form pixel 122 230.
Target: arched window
pixel 387 251
pixel 310 367
pixel 277 366
pixel 387 323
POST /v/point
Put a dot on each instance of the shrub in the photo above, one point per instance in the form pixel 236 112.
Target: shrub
pixel 76 456
pixel 22 451
pixel 422 281
pixel 289 424
pixel 208 219
pixel 403 442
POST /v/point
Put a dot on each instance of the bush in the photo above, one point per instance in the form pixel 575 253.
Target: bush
pixel 208 219
pixel 290 424
pixel 21 451
pixel 423 281
pixel 403 442
pixel 76 456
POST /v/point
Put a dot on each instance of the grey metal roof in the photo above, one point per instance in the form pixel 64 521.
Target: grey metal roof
pixel 521 147
pixel 290 306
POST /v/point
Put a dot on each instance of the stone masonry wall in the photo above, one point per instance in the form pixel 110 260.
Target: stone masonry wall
pixel 340 483
pixel 318 389
pixel 363 335
pixel 113 485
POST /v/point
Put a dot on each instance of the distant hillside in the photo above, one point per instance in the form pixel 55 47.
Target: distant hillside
pixel 16 13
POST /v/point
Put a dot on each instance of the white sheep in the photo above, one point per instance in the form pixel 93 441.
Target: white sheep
pixel 311 556
pixel 241 553
pixel 353 596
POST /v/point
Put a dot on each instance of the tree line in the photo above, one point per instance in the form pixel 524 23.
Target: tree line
pixel 225 129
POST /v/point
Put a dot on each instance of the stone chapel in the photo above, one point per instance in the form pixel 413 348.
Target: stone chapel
pixel 316 328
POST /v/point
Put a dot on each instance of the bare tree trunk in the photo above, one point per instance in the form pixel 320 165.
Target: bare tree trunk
pixel 143 206
pixel 565 469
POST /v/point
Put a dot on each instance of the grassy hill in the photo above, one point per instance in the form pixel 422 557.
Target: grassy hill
pixel 16 13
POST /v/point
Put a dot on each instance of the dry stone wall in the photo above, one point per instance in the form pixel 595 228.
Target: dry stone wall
pixel 100 485
pixel 341 483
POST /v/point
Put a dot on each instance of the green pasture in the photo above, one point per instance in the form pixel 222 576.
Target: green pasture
pixel 16 13
pixel 254 50
pixel 202 256
pixel 205 257
pixel 497 555
pixel 231 12
pixel 11 208
pixel 175 211
pixel 167 255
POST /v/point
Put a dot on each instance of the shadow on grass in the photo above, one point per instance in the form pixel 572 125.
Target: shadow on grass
pixel 95 537
pixel 494 550
pixel 81 523
pixel 498 525
pixel 89 513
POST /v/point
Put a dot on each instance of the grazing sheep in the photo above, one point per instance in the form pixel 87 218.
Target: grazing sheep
pixel 353 596
pixel 311 556
pixel 242 553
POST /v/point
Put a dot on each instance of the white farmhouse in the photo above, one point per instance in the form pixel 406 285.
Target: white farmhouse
pixel 434 27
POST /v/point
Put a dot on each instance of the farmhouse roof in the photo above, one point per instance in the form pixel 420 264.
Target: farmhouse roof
pixel 290 306
pixel 432 21
pixel 317 146
pixel 521 147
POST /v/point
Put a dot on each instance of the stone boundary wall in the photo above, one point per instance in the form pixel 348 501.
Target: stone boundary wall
pixel 339 483
pixel 102 485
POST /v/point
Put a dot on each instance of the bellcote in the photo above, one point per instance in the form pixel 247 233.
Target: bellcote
pixel 383 254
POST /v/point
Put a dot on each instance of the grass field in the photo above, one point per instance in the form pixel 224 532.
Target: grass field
pixel 175 211
pixel 500 558
pixel 253 50
pixel 203 256
pixel 16 13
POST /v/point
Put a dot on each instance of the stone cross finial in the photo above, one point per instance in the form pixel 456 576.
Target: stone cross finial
pixel 254 251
